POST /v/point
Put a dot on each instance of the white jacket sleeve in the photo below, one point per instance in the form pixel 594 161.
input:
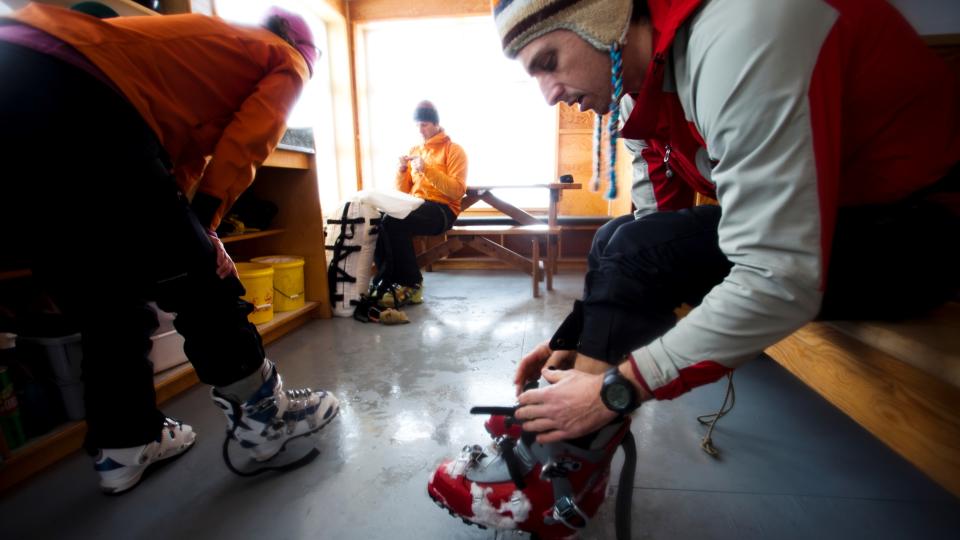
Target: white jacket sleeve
pixel 742 70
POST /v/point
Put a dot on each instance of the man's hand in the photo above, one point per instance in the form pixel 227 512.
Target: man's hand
pixel 539 358
pixel 404 160
pixel 417 163
pixel 570 407
pixel 225 266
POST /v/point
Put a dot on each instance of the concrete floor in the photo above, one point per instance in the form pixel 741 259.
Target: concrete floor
pixel 791 466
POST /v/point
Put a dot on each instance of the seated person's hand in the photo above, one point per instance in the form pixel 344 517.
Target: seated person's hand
pixel 404 160
pixel 417 163
pixel 537 359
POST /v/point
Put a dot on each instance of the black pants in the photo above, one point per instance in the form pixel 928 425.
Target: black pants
pixel 91 200
pixel 887 262
pixel 394 256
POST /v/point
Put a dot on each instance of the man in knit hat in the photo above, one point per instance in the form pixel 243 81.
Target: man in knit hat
pixel 788 113
pixel 119 119
pixel 435 171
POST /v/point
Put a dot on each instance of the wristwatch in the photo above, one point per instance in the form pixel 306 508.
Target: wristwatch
pixel 618 393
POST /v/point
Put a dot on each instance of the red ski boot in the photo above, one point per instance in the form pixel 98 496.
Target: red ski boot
pixel 499 425
pixel 566 338
pixel 550 491
pixel 501 422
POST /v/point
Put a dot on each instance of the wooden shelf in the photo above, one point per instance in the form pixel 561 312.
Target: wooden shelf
pixel 174 381
pixel 288 159
pixel 283 323
pixel 135 7
pixel 50 448
pixel 14 274
pixel 250 236
pixel 40 453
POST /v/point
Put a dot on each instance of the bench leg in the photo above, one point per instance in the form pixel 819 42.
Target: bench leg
pixel 423 246
pixel 556 253
pixel 439 251
pixel 551 260
pixel 535 258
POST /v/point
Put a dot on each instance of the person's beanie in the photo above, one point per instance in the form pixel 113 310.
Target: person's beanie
pixel 297 33
pixel 600 22
pixel 95 9
pixel 426 112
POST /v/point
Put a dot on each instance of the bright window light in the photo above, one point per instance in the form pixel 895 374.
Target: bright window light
pixel 487 103
pixel 314 109
pixel 251 13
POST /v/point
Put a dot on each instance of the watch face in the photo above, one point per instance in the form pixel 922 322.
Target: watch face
pixel 618 396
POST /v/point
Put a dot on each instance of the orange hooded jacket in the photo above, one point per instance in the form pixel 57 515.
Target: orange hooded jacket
pixel 444 176
pixel 208 89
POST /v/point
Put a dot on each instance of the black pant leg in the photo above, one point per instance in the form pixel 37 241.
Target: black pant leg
pixel 600 241
pixel 84 144
pixel 219 340
pixel 108 230
pixel 395 256
pixel 649 267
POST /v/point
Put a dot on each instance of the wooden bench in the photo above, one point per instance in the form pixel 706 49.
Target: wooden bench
pixel 900 381
pixel 476 236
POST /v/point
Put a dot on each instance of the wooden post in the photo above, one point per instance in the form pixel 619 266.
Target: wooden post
pixel 535 256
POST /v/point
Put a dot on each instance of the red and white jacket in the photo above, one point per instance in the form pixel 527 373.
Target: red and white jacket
pixel 784 111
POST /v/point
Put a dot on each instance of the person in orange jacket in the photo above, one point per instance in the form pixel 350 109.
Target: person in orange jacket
pixel 435 171
pixel 127 140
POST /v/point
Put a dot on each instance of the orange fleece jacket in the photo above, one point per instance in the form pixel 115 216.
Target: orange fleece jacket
pixel 444 176
pixel 209 89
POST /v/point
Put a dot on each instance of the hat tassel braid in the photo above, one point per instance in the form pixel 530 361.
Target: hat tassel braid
pixel 598 152
pixel 613 126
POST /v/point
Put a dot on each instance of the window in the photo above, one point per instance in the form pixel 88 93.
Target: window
pixel 487 103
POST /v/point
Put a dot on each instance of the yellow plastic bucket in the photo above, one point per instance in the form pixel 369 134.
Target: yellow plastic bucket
pixel 287 281
pixel 257 279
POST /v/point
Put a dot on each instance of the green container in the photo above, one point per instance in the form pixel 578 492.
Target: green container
pixel 10 424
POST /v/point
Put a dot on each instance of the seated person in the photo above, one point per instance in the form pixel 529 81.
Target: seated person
pixel 435 171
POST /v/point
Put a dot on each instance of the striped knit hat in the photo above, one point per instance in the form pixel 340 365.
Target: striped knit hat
pixel 601 23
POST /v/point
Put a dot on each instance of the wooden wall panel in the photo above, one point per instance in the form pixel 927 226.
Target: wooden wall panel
pixel 370 10
pixel 575 156
pixel 340 6
pixel 573 118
